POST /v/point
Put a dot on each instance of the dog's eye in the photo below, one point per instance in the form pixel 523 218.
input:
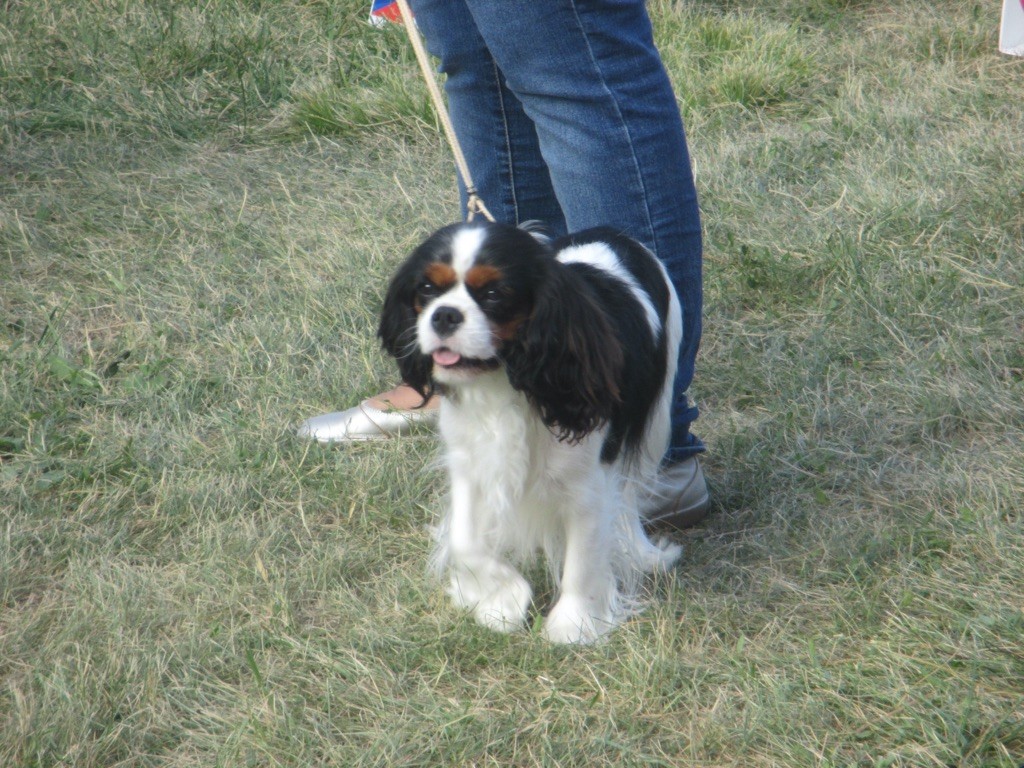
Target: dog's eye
pixel 490 296
pixel 426 290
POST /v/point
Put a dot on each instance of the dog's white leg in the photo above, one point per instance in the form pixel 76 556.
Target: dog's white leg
pixel 586 609
pixel 645 556
pixel 481 580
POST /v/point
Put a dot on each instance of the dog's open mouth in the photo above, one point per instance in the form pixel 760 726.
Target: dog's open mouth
pixel 451 360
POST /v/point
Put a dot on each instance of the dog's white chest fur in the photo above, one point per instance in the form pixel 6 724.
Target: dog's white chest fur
pixel 493 441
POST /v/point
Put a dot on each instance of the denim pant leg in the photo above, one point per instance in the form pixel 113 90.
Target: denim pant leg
pixel 497 138
pixel 582 84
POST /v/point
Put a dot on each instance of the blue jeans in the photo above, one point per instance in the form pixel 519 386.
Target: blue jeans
pixel 566 116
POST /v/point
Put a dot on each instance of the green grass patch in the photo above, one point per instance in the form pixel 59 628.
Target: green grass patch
pixel 200 206
pixel 729 64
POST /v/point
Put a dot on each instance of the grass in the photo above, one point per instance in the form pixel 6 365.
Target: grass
pixel 200 205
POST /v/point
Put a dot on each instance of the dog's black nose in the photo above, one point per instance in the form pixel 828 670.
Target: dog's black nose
pixel 446 321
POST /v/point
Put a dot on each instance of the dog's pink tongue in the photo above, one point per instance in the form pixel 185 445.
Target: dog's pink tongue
pixel 446 357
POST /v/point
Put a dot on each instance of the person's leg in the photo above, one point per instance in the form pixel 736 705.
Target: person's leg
pixel 498 139
pixel 601 116
pixel 590 79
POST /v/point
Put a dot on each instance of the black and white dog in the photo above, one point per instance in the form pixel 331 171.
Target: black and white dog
pixel 555 363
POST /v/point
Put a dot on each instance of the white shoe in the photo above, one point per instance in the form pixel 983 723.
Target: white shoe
pixel 364 422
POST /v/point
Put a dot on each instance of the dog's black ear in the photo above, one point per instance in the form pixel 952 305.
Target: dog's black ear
pixel 397 330
pixel 566 357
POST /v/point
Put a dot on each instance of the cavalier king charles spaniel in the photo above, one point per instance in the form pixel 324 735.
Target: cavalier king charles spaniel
pixel 554 360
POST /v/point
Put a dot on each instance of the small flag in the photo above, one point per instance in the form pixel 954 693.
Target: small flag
pixel 383 11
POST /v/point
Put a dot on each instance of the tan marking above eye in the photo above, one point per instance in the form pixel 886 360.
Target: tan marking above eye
pixel 483 274
pixel 440 274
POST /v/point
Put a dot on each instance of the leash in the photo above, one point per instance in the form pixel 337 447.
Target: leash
pixel 474 204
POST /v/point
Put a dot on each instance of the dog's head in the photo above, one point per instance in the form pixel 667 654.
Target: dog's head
pixel 475 297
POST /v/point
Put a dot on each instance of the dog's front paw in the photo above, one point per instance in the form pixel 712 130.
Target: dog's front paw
pixel 505 610
pixel 499 602
pixel 572 620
